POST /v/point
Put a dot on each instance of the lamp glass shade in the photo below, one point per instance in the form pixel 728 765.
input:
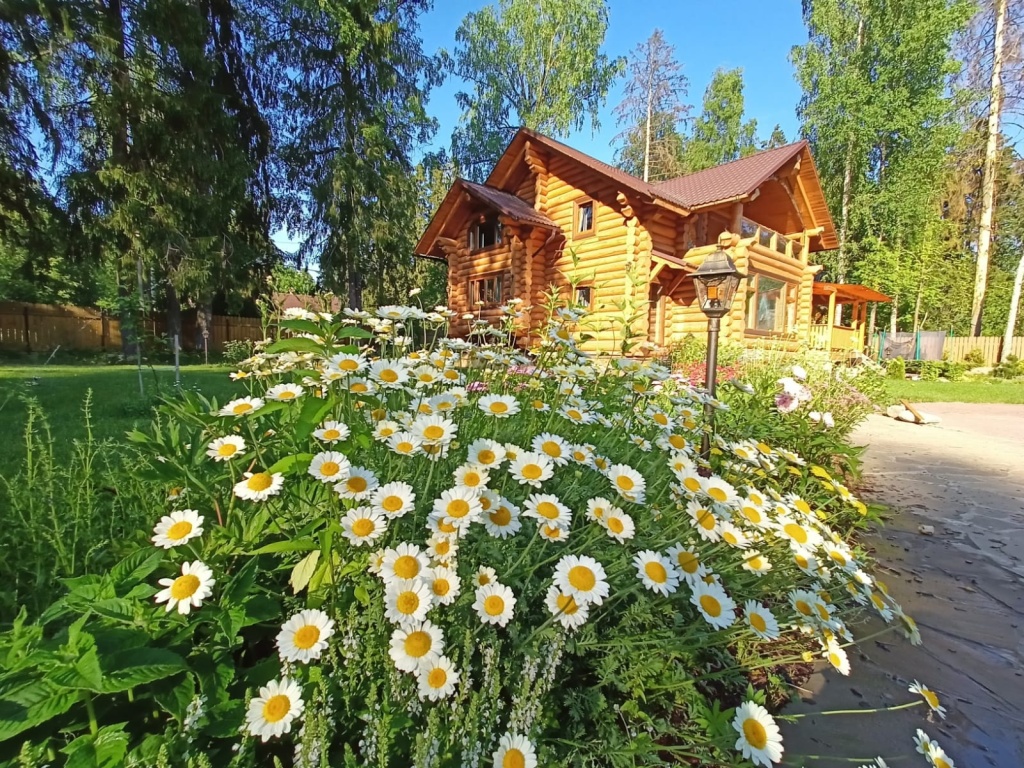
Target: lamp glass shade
pixel 716 282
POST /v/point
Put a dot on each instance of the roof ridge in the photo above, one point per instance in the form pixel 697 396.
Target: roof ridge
pixel 759 153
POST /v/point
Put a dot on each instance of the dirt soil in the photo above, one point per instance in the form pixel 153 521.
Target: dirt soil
pixel 964 585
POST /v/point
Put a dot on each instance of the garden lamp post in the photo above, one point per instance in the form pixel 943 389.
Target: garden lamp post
pixel 716 281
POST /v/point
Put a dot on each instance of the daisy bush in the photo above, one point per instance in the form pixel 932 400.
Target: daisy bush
pixel 397 548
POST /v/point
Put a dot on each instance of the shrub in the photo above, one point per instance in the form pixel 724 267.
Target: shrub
pixel 955 371
pixel 975 357
pixel 440 554
pixel 1010 368
pixel 931 369
pixel 896 369
pixel 237 350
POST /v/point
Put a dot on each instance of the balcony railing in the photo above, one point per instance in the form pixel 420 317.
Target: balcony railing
pixel 835 337
pixel 770 239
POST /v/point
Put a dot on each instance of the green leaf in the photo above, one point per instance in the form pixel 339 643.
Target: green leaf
pixel 238 586
pixel 116 608
pixel 137 436
pixel 302 326
pixel 30 704
pixel 313 412
pixel 138 666
pixel 291 464
pixel 294 345
pixel 107 749
pixel 362 595
pixel 299 545
pixel 136 567
pixel 353 332
pixel 304 571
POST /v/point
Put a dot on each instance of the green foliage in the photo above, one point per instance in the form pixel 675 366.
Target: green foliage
pixel 954 371
pixel 533 63
pixel 896 368
pixel 691 350
pixel 287 279
pixel 931 369
pixel 720 134
pixel 1010 368
pixel 237 350
pixel 975 357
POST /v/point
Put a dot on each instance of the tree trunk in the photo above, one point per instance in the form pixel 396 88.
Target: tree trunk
pixel 871 320
pixel 895 313
pixel 204 321
pixel 917 309
pixel 173 316
pixel 844 220
pixel 988 184
pixel 355 289
pixel 1011 320
pixel 647 127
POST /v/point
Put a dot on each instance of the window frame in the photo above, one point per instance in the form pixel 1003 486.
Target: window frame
pixel 577 204
pixel 589 287
pixel 473 233
pixel 788 299
pixel 504 284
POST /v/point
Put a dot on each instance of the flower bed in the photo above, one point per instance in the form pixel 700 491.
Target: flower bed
pixel 453 556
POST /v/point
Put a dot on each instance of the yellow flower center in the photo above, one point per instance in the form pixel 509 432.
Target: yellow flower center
pixel 349 365
pixel 276 708
pixel 486 456
pixel 931 698
pixel 756 562
pixel 306 637
pixel 494 605
pixel 405 447
pixel 803 506
pixel 692 484
pixel 803 608
pixel 389 375
pixel 359 387
pixel 179 530
pixel 711 606
pixel 552 532
pixel 408 603
pixel 796 533
pixel 392 503
pixel 385 432
pixel 615 525
pixel 378 414
pixel 329 468
pixel 513 758
pixel 331 434
pixel 437 678
pixel 582 578
pixel 575 415
pixel 532 471
pixel 656 572
pixel 442 548
pixel 838 557
pixel 718 494
pixel 538 404
pixel 661 418
pixel 835 660
pixel 471 479
pixel 441 587
pixel 363 527
pixel 407 567
pixel 286 395
pixel 356 484
pixel 625 482
pixel 822 611
pixel 418 644
pixel 445 527
pixel 752 514
pixel 259 482
pixel 502 516
pixel 184 587
pixel 241 408
pixel 227 449
pixel 566 604
pixel 499 406
pixel 547 510
pixel 757 622
pixel 754 733
pixel 688 561
pixel 552 449
pixel 457 508
pixel 678 442
pixel 706 520
pixel 433 432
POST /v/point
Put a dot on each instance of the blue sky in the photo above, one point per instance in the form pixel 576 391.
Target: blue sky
pixel 756 35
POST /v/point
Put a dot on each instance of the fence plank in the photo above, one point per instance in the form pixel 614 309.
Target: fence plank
pixel 958 347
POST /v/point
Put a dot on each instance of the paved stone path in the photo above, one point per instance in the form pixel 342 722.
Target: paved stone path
pixel 964 586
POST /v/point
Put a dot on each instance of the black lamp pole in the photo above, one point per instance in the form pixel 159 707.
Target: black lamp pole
pixel 710 380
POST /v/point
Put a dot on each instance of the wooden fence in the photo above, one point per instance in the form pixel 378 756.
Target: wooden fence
pixel 43 327
pixel 957 347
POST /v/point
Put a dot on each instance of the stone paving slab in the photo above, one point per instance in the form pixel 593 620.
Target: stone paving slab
pixel 964 586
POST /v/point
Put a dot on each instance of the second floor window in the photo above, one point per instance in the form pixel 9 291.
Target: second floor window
pixel 584 219
pixel 489 290
pixel 485 234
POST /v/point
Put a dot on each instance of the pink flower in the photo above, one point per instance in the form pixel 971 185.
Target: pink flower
pixel 786 402
pixel 477 386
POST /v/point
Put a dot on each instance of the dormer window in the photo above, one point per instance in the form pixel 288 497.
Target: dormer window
pixel 485 233
pixel 583 225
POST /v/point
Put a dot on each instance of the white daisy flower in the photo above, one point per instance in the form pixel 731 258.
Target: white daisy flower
pixel 924 743
pixel 732 535
pixel 756 563
pixel 303 638
pixel 837 657
pixel 495 604
pixel 275 709
pixel 502 520
pixel 404 563
pixel 691 482
pixel 719 491
pixel 499 406
pixel 761 620
pixel 389 374
pixel 188 590
pixel 555 448
pixel 717 608
pixel 259 486
pixel 540 406
pixel 404 443
pixel 434 430
pixel 939 757
pixel 329 467
pixel 177 528
pixel 332 432
pixel 444 584
pixel 359 484
pixel 361 386
pixel 437 679
pixel 442 548
pixel 930 698
pixel 243 406
pixel 760 740
pixel 285 393
pixel 582 577
pixel 629 483
pixel 547 509
pixel 514 751
pixel 471 476
pixel 569 612
pixel 394 499
pixel 582 454
pixel 704 520
pixel 687 560
pixel 348 364
pixel 485 575
pixel 226 448
pixel 553 533
pixel 415 645
pixel 531 469
pixel 656 572
pixel 619 525
pixel 486 453
pixel 599 507
pixel 362 525
pixel 406 601
pixel 459 507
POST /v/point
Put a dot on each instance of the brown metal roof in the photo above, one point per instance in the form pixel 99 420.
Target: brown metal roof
pixel 848 292
pixel 730 180
pixel 508 204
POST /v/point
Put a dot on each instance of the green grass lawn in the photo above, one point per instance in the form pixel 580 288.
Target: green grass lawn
pixel 116 408
pixel 977 390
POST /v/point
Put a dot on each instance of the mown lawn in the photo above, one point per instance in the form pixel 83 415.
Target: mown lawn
pixel 116 404
pixel 978 390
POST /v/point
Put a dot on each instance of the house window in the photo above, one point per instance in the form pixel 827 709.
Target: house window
pixel 485 234
pixel 768 308
pixel 491 290
pixel 584 296
pixel 584 219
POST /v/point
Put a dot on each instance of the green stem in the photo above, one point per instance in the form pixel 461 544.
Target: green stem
pixel 91 712
pixel 858 711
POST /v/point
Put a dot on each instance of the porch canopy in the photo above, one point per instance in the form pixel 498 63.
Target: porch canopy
pixel 828 329
pixel 848 293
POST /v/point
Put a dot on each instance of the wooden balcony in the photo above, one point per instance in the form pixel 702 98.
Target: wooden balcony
pixel 836 338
